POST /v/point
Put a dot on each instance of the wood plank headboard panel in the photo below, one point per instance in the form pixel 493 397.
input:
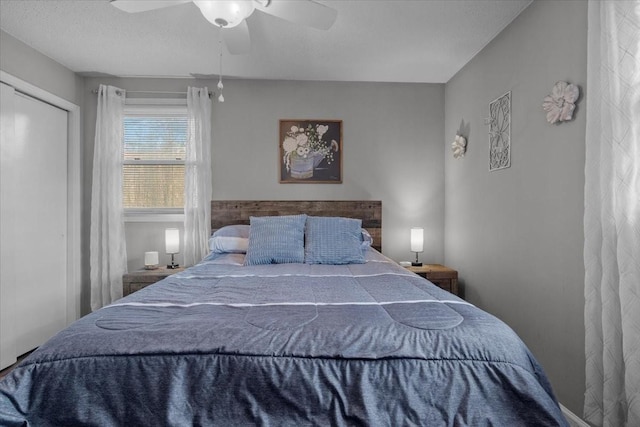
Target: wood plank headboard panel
pixel 228 212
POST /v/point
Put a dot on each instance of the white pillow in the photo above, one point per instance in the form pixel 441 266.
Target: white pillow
pixel 367 240
pixel 226 244
pixel 235 230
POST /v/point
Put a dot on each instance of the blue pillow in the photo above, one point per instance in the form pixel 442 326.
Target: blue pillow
pixel 333 240
pixel 276 240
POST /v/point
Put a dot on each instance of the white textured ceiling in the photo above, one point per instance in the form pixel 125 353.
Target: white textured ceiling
pixel 371 40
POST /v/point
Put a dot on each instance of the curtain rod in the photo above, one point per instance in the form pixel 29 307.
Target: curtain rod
pixel 153 92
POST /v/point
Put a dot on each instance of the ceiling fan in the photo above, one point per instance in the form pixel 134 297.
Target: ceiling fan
pixel 231 15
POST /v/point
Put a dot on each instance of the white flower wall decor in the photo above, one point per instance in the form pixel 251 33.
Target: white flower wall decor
pixel 459 146
pixel 560 104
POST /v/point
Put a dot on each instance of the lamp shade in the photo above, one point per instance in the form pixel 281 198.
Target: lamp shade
pixel 150 258
pixel 225 13
pixel 172 240
pixel 417 239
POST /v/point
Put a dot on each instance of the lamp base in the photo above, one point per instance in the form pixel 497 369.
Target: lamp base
pixel 173 264
pixel 416 263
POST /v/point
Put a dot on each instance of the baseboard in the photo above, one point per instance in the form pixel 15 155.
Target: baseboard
pixel 573 419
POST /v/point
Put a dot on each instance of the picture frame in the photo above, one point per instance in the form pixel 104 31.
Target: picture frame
pixel 310 151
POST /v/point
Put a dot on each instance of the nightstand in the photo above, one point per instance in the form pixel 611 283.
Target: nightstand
pixel 139 279
pixel 441 276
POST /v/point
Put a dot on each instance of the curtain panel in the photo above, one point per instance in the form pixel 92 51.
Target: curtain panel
pixel 197 180
pixel 108 252
pixel 612 215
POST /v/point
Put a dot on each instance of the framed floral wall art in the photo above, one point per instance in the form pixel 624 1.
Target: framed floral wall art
pixel 310 151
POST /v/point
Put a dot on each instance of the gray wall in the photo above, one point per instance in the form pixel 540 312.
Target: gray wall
pixel 392 150
pixel 393 146
pixel 141 236
pixel 515 235
pixel 22 61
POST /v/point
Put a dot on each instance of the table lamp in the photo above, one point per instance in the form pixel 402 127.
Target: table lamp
pixel 417 243
pixel 172 244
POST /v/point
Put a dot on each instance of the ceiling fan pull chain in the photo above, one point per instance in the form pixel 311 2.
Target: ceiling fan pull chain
pixel 220 85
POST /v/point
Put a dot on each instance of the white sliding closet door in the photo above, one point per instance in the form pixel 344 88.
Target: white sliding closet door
pixel 33 223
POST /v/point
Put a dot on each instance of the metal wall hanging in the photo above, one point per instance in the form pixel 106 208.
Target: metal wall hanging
pixel 500 132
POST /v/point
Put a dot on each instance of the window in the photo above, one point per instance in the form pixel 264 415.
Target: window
pixel 154 158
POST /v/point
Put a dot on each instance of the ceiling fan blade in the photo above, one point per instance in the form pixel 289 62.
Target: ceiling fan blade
pixel 134 6
pixel 305 12
pixel 237 38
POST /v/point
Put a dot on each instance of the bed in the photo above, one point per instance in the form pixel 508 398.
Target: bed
pixel 349 339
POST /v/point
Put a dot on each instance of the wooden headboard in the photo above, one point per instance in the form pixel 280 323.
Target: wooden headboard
pixel 228 212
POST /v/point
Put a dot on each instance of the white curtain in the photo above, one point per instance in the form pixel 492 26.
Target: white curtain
pixel 108 252
pixel 197 180
pixel 612 215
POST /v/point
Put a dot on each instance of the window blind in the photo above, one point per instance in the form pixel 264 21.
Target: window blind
pixel 154 153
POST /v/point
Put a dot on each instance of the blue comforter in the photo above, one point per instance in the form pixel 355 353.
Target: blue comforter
pixel 291 344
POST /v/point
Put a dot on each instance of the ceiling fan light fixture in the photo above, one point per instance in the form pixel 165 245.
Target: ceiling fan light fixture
pixel 225 13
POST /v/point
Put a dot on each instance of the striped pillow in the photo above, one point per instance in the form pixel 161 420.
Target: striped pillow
pixel 333 240
pixel 276 240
